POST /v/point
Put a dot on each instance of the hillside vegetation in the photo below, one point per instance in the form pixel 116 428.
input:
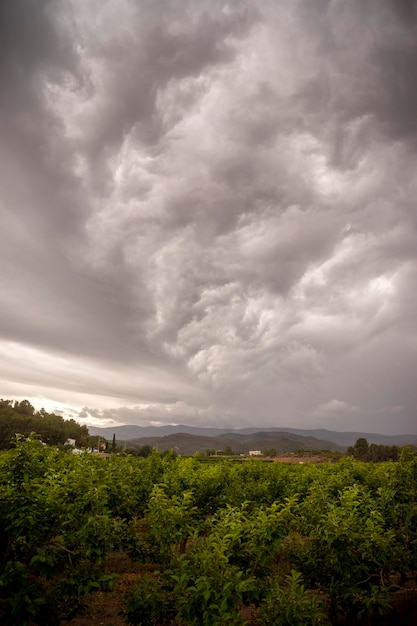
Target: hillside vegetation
pixel 21 417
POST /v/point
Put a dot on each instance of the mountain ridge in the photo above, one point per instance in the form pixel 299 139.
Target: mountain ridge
pixel 188 444
pixel 343 439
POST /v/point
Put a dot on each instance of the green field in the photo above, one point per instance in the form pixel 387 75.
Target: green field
pixel 222 543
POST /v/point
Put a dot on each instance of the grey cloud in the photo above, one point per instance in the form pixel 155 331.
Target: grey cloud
pixel 370 80
pixel 407 10
pixel 36 174
pixel 174 412
pixel 136 65
pixel 397 100
pixel 210 211
pixel 31 46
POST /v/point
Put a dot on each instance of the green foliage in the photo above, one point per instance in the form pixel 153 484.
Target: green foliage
pixel 373 452
pixel 300 544
pixel 57 532
pixel 209 589
pixel 289 603
pixel 171 521
pixel 356 552
pixel 21 417
pixel 144 451
pixel 151 603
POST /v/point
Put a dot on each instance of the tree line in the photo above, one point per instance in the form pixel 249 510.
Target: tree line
pixel 363 451
pixel 21 417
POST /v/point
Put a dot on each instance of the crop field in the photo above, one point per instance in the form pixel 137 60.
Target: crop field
pixel 173 541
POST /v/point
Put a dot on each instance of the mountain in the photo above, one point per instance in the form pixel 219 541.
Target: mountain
pixel 341 439
pixel 188 444
pixel 386 440
pixel 125 433
pixel 349 438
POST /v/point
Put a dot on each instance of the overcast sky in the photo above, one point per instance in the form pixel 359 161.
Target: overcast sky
pixel 209 211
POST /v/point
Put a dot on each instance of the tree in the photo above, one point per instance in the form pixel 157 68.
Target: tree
pixel 360 450
pixel 113 445
pixel 145 451
pixel 20 417
pixel 24 407
pixel 373 452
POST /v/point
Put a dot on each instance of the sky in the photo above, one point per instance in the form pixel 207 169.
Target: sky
pixel 209 211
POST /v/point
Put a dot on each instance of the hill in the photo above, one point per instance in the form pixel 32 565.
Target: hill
pixel 341 439
pixel 188 444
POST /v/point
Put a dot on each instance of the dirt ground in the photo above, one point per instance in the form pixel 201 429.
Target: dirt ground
pixel 104 607
pixel 298 459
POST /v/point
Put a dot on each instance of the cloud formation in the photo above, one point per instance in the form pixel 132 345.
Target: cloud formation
pixel 208 211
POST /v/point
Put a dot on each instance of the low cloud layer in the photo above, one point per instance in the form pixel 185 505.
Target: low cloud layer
pixel 209 211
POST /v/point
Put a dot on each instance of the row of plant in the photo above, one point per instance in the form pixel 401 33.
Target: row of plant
pixel 328 546
pixel 284 544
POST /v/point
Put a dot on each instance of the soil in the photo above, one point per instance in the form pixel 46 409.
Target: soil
pixel 299 459
pixel 104 607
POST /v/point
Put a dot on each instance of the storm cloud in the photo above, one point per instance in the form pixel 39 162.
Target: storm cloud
pixel 209 211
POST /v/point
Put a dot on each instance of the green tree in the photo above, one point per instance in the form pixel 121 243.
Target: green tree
pixel 145 451
pixel 21 417
pixel 360 450
pixel 24 407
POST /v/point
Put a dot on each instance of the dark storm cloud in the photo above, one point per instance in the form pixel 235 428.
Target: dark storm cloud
pixel 31 44
pixel 35 170
pixel 398 94
pixel 48 299
pixel 153 54
pixel 365 70
pixel 210 210
pixel 140 60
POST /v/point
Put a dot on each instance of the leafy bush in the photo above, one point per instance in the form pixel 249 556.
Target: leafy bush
pixel 291 604
pixel 150 603
pixel 57 532
pixel 290 542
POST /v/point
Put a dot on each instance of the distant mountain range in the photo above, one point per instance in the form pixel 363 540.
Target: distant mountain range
pixel 189 439
pixel 187 444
